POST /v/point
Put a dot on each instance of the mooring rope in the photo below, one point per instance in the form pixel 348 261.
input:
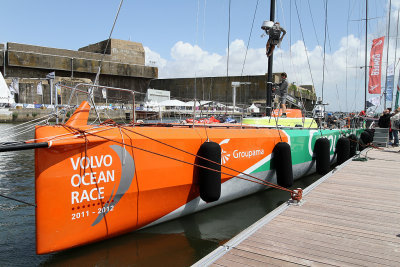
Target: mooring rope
pixel 18 200
pixel 186 162
pixel 155 140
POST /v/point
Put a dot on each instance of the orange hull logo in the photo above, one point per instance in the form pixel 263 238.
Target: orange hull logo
pixel 238 153
pixel 224 155
pixel 97 172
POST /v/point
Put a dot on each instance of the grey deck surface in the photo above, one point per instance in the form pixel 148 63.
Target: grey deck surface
pixel 350 219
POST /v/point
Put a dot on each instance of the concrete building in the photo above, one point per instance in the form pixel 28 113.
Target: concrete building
pixel 123 64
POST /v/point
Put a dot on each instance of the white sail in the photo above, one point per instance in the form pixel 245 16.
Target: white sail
pixel 5 94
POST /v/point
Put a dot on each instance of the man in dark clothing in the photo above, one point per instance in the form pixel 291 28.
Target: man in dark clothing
pixel 275 38
pixel 384 119
pixel 390 125
pixel 331 121
pixel 283 88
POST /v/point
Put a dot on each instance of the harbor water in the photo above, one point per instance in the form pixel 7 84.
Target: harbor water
pixel 180 242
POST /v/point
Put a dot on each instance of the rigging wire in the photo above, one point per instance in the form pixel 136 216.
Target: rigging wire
pixel 304 42
pixel 96 81
pixel 357 70
pixel 323 64
pixel 248 41
pixel 292 66
pixel 18 200
pixel 25 124
pixel 338 99
pixel 290 33
pixel 204 21
pixel 329 37
pixel 312 20
pixel 387 53
pixel 195 72
pixel 290 43
pixel 227 58
pixel 284 24
pixel 183 161
pixel 347 48
pixel 395 50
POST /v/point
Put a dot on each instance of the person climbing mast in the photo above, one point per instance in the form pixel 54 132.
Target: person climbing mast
pixel 283 89
pixel 274 30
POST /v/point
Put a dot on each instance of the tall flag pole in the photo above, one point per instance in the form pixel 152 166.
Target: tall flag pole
pixel 396 103
pixel 389 83
pixel 387 59
pixel 395 52
pixel 366 45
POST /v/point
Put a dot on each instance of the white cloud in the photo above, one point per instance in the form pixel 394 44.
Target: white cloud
pixel 154 59
pixel 189 60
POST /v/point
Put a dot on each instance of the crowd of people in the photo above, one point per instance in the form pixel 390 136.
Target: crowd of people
pixel 391 120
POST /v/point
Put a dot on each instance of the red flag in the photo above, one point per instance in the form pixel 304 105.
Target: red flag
pixel 375 63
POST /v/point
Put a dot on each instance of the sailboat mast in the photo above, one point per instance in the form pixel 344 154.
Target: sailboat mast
pixel 270 64
pixel 366 45
pixel 387 55
pixel 395 56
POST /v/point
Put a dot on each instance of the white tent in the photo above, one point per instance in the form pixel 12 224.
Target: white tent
pixel 172 103
pixel 5 94
pixel 198 103
pixel 253 108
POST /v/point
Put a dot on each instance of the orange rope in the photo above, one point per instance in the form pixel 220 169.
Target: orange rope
pixel 193 164
pixel 297 194
pixel 202 158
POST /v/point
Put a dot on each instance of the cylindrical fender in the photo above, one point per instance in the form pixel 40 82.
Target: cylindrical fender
pixel 209 180
pixel 283 164
pixel 353 144
pixel 342 150
pixel 322 155
pixel 366 137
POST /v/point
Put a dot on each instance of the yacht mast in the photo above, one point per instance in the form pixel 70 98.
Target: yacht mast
pixel 270 64
pixel 387 56
pixel 395 60
pixel 366 45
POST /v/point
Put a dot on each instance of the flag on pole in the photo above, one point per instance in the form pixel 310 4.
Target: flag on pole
pixel 375 63
pixel 369 104
pixel 376 101
pixel 51 75
pixel 390 82
pixel 14 86
pixel 396 103
pixel 39 88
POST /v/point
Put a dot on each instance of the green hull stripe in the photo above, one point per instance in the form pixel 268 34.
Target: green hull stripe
pixel 302 143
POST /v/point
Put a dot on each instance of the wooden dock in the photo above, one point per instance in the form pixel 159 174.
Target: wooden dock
pixel 349 217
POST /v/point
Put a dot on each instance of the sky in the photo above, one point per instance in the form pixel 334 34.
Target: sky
pixel 189 38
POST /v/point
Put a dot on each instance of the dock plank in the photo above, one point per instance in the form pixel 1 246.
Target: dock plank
pixel 352 218
pixel 246 258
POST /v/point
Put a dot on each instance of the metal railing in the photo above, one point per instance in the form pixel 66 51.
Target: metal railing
pixel 90 93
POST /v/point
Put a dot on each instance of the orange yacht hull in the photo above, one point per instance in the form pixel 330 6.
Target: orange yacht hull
pixel 95 186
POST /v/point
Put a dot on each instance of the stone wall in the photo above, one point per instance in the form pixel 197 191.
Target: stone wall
pixel 29 56
pixel 2 55
pixel 122 67
pixel 119 51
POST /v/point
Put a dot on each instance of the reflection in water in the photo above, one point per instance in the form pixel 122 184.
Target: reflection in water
pixel 180 242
